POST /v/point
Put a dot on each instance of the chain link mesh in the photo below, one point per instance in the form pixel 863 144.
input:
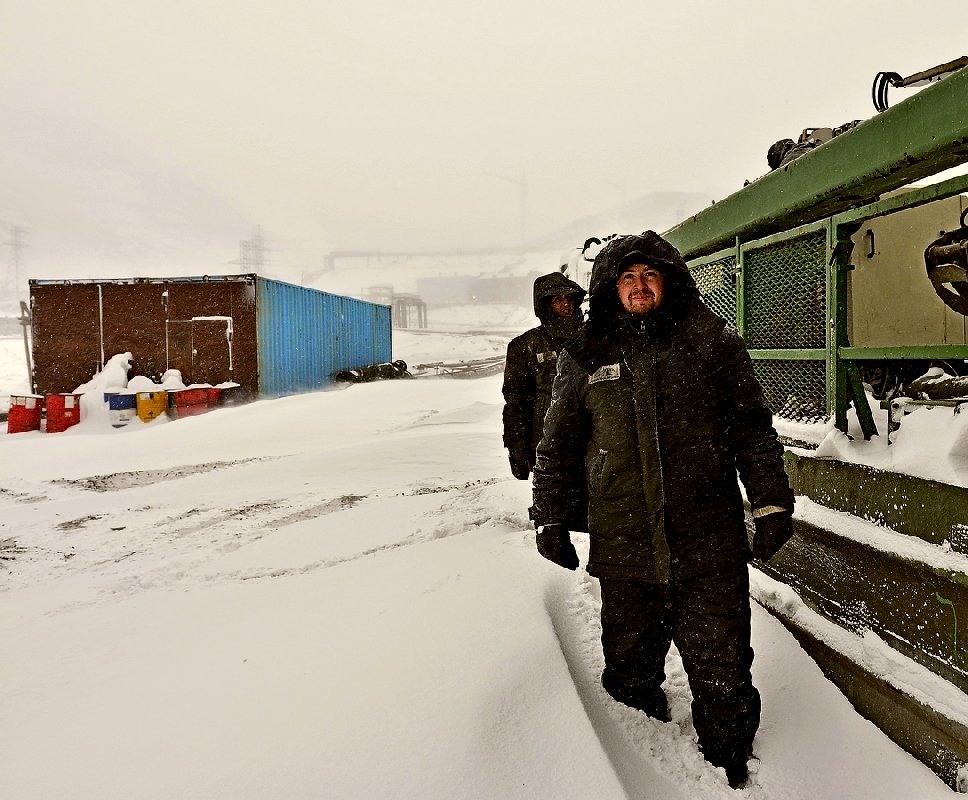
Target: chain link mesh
pixel 795 390
pixel 716 282
pixel 786 294
pixel 785 308
pixel 785 287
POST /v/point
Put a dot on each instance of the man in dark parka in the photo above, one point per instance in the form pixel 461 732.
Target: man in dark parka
pixel 655 409
pixel 529 370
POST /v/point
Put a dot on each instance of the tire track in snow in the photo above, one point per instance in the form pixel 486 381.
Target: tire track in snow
pixel 127 550
pixel 116 481
pixel 464 516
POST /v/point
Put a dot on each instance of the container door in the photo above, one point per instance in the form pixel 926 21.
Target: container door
pixel 180 348
pixel 211 350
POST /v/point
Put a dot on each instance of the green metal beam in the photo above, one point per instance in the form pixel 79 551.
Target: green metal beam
pixel 712 257
pixel 816 354
pixel 740 290
pixel 916 197
pixel 859 398
pixel 940 352
pixel 785 236
pixel 839 247
pixel 921 136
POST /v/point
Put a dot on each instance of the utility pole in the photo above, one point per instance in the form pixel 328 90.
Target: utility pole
pixel 252 256
pixel 25 324
pixel 524 208
pixel 16 256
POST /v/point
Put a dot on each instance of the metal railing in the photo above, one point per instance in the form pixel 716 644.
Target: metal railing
pixel 787 296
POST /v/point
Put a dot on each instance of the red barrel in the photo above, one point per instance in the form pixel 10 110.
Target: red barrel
pixel 187 402
pixel 63 411
pixel 24 414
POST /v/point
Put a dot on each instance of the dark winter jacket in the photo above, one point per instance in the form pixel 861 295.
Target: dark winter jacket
pixel 659 411
pixel 529 370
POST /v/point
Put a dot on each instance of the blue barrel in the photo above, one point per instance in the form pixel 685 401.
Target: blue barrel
pixel 122 407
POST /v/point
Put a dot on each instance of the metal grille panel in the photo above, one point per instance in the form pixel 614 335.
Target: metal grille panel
pixel 785 294
pixel 717 285
pixel 795 390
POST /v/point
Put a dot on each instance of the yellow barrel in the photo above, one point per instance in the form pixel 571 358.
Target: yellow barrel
pixel 151 405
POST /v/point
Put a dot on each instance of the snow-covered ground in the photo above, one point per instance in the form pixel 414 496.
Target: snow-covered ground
pixel 337 595
pixel 13 369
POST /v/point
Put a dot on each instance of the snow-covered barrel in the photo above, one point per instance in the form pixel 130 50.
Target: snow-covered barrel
pixel 151 404
pixel 63 411
pixel 24 414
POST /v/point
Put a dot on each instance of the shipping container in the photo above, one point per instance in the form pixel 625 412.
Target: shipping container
pixel 270 337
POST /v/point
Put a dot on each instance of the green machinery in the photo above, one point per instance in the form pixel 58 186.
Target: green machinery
pixel 822 265
pixel 776 256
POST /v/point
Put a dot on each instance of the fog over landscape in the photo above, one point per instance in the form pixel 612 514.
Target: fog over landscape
pixel 139 140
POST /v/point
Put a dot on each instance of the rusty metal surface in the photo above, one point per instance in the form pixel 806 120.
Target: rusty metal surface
pixel 77 325
pixel 64 331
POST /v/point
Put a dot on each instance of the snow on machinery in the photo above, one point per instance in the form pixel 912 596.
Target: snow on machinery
pixel 847 282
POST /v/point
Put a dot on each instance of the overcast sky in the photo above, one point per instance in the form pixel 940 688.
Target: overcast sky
pixel 127 125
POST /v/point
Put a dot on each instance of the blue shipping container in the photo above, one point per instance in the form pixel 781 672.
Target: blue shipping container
pixel 305 336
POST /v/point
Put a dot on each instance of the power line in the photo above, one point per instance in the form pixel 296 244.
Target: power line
pixel 15 256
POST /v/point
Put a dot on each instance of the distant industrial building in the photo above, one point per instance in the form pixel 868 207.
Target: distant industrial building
pixel 407 310
pixel 480 289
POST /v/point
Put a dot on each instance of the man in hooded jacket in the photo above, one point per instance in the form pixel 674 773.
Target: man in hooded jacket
pixel 530 367
pixel 655 409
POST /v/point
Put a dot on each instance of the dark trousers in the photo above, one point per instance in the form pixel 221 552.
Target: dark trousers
pixel 707 615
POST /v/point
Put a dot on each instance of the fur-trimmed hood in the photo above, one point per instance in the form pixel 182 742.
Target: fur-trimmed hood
pixel 645 248
pixel 552 285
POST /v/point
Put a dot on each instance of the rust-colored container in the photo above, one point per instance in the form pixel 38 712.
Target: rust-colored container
pixel 151 405
pixel 24 414
pixel 63 411
pixel 187 402
pixel 212 393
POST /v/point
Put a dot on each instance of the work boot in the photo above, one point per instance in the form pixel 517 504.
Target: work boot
pixel 734 764
pixel 652 701
pixel 737 773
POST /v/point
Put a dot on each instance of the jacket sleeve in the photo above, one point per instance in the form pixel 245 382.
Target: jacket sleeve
pixel 520 392
pixel 560 494
pixel 752 438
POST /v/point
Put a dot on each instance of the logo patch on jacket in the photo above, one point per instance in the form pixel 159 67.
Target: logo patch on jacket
pixel 551 355
pixel 608 372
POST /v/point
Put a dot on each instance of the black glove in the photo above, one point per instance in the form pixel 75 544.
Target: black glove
pixel 554 543
pixel 520 463
pixel 771 532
